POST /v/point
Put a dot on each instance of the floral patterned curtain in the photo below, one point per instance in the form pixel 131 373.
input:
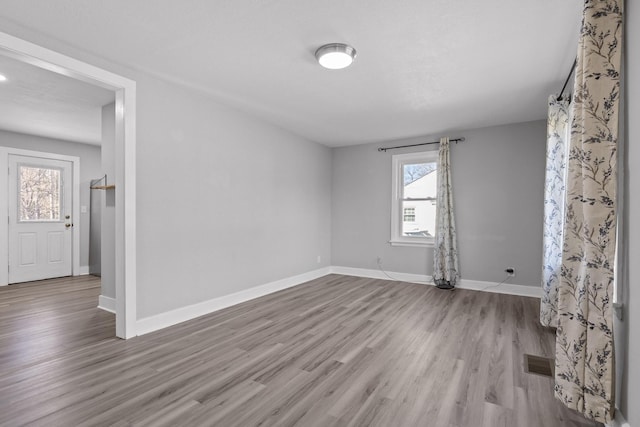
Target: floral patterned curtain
pixel 445 258
pixel 584 340
pixel 554 195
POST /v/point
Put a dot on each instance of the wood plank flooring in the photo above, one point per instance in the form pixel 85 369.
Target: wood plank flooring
pixel 337 351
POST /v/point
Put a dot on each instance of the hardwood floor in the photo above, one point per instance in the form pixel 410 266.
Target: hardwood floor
pixel 336 351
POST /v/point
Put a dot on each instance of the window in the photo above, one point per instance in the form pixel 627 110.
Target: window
pixel 413 208
pixel 39 194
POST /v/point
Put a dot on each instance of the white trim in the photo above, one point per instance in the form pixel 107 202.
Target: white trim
pixel 84 270
pixel 126 258
pixel 183 314
pixel 377 274
pixel 501 288
pixel 413 243
pixel 107 304
pixel 75 217
pixel 4 224
pixel 474 285
pixel 619 420
pixel 179 315
pixel 5 152
pixel 125 146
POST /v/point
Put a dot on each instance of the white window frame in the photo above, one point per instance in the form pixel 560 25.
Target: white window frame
pixel 397 162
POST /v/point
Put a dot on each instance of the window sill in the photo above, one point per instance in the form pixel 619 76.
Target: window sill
pixel 412 243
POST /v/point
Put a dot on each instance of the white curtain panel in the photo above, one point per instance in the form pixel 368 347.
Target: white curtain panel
pixel 554 200
pixel 584 374
pixel 446 272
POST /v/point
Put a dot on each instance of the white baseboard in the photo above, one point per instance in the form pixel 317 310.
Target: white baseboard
pixel 619 420
pixel 179 315
pixel 107 304
pixel 83 271
pixel 377 274
pixel 501 288
pixel 475 285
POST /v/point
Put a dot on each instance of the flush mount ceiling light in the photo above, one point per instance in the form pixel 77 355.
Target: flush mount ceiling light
pixel 2 78
pixel 335 56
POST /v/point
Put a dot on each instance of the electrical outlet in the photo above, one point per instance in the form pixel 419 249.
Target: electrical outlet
pixel 319 259
pixel 511 272
pixel 379 260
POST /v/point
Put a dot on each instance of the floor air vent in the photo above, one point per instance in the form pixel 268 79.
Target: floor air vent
pixel 538 365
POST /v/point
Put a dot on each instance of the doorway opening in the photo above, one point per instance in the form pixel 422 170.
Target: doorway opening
pixel 124 196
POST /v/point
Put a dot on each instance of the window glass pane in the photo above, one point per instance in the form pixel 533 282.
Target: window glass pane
pixel 422 221
pixel 414 171
pixel 419 216
pixel 39 194
pixel 420 180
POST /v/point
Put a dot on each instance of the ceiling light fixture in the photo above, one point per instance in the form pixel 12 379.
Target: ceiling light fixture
pixel 2 78
pixel 335 56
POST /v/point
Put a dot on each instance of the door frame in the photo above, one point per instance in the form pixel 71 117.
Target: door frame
pixel 5 152
pixel 125 162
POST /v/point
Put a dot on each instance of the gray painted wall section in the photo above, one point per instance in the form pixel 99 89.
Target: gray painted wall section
pixel 225 202
pixel 107 206
pixel 89 169
pixel 498 179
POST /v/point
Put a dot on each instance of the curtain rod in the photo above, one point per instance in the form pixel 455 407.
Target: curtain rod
pixel 456 140
pixel 573 67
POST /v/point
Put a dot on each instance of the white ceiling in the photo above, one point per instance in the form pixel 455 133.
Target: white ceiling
pixel 423 66
pixel 40 102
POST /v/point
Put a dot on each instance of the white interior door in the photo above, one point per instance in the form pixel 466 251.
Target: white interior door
pixel 40 222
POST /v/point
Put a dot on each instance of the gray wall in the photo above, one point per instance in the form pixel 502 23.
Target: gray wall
pixel 628 330
pixel 89 169
pixel 225 202
pixel 107 203
pixel 498 179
